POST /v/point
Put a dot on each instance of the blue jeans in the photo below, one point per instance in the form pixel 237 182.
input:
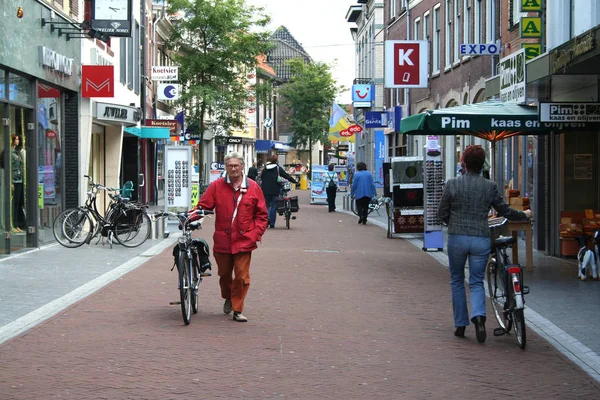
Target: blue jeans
pixel 271 200
pixel 477 250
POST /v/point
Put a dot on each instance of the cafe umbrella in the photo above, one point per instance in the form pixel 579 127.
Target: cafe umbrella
pixel 490 120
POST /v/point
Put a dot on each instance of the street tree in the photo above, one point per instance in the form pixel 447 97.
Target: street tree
pixel 215 43
pixel 309 95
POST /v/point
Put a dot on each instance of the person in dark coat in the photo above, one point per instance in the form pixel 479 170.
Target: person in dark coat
pixel 271 187
pixel 253 172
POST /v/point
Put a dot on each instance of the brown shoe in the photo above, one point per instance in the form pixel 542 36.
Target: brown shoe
pixel 227 306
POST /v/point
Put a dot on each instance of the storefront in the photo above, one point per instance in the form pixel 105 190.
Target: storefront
pixel 38 131
pixel 558 170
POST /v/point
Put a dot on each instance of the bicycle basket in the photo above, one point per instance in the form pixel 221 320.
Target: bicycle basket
pixel 498 227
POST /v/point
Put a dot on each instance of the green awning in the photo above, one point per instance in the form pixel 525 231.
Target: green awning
pixel 491 120
pixel 149 132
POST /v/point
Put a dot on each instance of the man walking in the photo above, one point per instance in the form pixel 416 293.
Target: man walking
pixel 240 221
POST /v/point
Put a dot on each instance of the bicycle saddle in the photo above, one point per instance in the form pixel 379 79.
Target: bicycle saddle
pixel 504 241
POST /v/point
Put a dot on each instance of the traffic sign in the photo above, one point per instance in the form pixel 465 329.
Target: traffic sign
pixel 406 63
pixel 268 122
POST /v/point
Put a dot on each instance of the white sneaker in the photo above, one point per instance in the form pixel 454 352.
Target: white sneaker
pixel 227 306
pixel 239 317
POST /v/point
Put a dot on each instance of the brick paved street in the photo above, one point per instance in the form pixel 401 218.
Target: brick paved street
pixel 370 320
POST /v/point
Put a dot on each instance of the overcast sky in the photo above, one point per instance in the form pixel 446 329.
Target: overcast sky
pixel 321 28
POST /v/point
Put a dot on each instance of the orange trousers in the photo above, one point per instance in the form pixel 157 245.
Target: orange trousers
pixel 236 288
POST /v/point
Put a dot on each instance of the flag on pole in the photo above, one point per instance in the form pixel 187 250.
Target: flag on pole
pixel 179 118
pixel 339 121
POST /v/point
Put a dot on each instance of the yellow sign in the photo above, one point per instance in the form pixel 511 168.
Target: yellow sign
pixel 531 27
pixel 531 5
pixel 195 196
pixel 40 195
pixel 532 50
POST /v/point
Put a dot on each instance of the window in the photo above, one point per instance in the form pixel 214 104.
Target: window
pixel 515 12
pixel 467 22
pixel 137 61
pixel 417 29
pixel 123 61
pixel 129 63
pixel 448 33
pixel 457 31
pixel 477 22
pixel 490 28
pixel 393 8
pixel 426 26
pixel 436 39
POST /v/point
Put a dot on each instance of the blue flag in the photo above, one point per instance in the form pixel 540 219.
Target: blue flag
pixel 179 118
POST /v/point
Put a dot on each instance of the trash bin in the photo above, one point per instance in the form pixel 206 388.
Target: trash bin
pixel 303 182
pixel 158 228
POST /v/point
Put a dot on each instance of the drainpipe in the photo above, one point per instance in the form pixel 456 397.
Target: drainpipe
pixel 407 91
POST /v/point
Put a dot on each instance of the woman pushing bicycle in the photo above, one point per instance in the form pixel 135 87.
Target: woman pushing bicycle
pixel 464 207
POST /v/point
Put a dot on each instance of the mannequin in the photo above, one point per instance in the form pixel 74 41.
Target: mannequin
pixel 17 178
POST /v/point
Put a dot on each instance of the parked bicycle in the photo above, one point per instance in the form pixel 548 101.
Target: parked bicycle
pixel 505 286
pixel 289 204
pixel 187 261
pixel 125 221
pixel 374 205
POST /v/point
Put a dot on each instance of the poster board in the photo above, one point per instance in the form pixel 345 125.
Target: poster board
pixel 342 173
pixel 178 171
pixel 318 186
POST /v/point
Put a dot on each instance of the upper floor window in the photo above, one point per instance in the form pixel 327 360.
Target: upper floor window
pixel 436 40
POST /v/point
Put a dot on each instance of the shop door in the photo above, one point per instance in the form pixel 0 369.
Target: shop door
pixel 129 171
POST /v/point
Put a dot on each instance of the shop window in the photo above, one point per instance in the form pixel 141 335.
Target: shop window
pixel 50 156
pixel 19 89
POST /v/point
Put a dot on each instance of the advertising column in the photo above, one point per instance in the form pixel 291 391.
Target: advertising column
pixel 318 194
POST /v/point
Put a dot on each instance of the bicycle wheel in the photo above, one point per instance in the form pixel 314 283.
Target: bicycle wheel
pixel 518 317
pixel 196 280
pixel 498 296
pixel 72 227
pixel 185 295
pixel 288 213
pixel 132 229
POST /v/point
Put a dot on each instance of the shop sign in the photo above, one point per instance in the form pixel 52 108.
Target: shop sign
pixel 97 81
pixel 512 78
pixel 532 50
pixel 168 91
pixel 112 18
pixel 117 113
pixel 531 27
pixel 54 61
pixel 531 5
pixel 234 140
pixel 565 55
pixel 479 49
pixel 406 63
pixel 569 112
pixel 217 166
pixel 363 93
pixel 163 123
pixel 161 73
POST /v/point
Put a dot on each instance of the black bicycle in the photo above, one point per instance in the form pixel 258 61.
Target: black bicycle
pixel 374 205
pixel 288 205
pixel 125 221
pixel 505 286
pixel 187 260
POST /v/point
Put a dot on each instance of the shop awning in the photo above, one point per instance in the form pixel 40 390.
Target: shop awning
pixel 263 146
pixel 491 120
pixel 149 132
pixel 281 146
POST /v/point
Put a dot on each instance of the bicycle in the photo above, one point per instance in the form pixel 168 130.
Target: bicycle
pixel 125 221
pixel 505 286
pixel 187 260
pixel 287 208
pixel 374 205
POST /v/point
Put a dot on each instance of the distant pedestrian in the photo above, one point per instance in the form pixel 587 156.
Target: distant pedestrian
pixel 331 181
pixel 253 172
pixel 363 190
pixel 464 207
pixel 271 180
pixel 239 225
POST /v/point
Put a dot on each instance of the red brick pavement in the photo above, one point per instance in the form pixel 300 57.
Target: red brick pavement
pixel 372 321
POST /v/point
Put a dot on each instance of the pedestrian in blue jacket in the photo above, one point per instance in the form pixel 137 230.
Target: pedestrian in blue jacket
pixel 363 190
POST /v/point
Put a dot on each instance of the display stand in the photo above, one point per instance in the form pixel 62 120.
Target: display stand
pixel 433 175
pixel 406 187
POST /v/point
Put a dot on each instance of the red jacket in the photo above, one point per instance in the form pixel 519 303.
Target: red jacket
pixel 241 234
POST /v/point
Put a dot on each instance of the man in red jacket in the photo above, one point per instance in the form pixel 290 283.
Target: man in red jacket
pixel 241 220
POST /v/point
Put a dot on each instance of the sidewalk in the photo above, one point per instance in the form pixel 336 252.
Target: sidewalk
pixel 561 308
pixel 336 311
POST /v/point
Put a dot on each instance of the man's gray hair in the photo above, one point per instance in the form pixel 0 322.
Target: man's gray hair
pixel 236 155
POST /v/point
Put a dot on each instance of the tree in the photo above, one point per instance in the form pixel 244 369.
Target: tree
pixel 216 44
pixel 308 95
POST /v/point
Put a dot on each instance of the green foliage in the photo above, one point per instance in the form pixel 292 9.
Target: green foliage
pixel 309 95
pixel 215 44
